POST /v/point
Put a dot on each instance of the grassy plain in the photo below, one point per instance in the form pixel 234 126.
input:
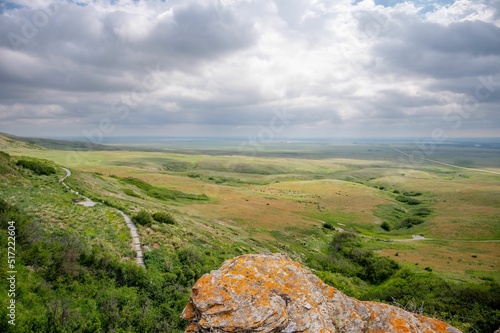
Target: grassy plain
pixel 279 199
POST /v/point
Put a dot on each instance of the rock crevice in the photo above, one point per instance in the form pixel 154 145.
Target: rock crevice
pixel 272 293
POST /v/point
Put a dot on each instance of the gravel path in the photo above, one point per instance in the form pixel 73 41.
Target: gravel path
pixel 133 230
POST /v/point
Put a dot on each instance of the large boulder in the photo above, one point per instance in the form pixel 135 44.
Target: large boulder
pixel 272 293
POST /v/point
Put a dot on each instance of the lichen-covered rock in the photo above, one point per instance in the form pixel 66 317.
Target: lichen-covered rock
pixel 272 293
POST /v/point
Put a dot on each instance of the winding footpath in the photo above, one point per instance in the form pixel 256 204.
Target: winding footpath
pixel 133 230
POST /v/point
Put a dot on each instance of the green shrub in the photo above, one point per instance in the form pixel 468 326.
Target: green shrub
pixel 402 198
pixel 409 201
pixel 386 226
pixel 423 211
pixel 328 226
pixel 412 194
pixel 163 193
pixel 143 218
pixel 131 193
pixel 413 202
pixel 38 167
pixel 164 217
pixel 411 221
pixel 349 258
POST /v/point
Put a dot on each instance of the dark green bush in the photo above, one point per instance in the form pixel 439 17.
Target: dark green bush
pixel 38 167
pixel 164 217
pixel 411 221
pixel 349 258
pixel 386 226
pixel 409 201
pixel 413 202
pixel 412 193
pixel 143 218
pixel 163 193
pixel 328 226
pixel 402 198
pixel 131 193
pixel 423 211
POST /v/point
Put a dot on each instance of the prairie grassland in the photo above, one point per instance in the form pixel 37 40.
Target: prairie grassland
pixel 279 200
pixel 453 258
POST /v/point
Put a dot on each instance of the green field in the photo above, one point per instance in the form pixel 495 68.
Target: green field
pixel 293 197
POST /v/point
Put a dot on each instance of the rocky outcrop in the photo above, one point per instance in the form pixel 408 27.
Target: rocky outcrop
pixel 272 293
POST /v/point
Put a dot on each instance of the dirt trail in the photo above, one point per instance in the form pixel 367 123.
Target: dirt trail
pixel 133 230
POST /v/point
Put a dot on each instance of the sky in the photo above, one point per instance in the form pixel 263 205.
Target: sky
pixel 250 68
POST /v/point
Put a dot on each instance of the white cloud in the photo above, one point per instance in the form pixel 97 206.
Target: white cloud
pixel 229 64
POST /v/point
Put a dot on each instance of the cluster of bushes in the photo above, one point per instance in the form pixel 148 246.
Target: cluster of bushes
pixel 408 200
pixel 346 256
pixel 468 306
pixel 163 193
pixel 38 167
pixel 143 217
pixel 407 218
pixel 361 273
pixel 423 211
pixel 164 217
pixel 410 222
pixel 406 223
pixel 412 193
pixel 345 247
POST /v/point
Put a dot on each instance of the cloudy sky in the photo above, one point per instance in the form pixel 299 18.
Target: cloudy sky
pixel 276 68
